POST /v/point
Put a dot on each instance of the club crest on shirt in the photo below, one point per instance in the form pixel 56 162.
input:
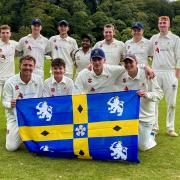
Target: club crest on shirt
pixel 124 80
pixel 52 89
pixel 89 80
pixel 16 87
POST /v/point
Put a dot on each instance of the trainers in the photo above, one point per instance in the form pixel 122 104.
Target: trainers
pixel 172 133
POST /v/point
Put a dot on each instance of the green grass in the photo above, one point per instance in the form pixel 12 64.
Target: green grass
pixel 162 162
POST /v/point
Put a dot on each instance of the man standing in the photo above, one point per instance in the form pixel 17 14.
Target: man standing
pixel 138 45
pixel 114 49
pixel 82 55
pixel 166 64
pixel 148 89
pixel 7 52
pixel 23 85
pixel 36 45
pixel 62 46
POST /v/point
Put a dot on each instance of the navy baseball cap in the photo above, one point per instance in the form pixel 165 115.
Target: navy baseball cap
pixel 131 57
pixel 137 25
pixel 63 22
pixel 36 21
pixel 97 53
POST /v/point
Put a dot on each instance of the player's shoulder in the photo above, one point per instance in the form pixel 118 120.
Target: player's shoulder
pixel 53 37
pixel 84 72
pixel 13 79
pixel 71 39
pixel 68 80
pixel 25 37
pixel 118 42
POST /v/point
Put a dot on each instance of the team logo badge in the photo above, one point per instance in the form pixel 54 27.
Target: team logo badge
pixel 44 111
pixel 118 151
pixel 16 87
pixel 89 80
pixel 115 106
pixel 52 89
pixel 124 80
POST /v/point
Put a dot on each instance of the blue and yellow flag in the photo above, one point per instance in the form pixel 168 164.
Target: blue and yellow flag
pixel 95 126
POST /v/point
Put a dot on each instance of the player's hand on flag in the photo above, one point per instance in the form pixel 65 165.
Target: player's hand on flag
pixel 141 93
pixel 13 103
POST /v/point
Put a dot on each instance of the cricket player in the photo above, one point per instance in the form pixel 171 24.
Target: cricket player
pixel 102 77
pixel 62 46
pixel 148 89
pixel 20 86
pixel 36 45
pixel 58 84
pixel 82 55
pixel 166 64
pixel 138 45
pixel 7 53
pixel 114 49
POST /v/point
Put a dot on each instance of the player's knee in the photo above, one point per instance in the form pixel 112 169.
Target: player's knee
pixel 173 106
pixel 12 147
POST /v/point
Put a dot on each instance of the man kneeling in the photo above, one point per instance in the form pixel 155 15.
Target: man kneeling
pixel 20 86
pixel 148 89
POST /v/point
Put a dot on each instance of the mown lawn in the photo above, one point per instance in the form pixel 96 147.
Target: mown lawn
pixel 162 162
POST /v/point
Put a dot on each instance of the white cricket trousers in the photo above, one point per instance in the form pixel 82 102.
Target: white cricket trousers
pixel 169 84
pixel 145 138
pixel 13 140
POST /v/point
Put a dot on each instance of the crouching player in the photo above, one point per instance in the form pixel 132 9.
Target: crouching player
pixel 20 86
pixel 148 89
pixel 58 84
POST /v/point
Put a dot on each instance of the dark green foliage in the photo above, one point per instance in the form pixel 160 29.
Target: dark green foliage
pixel 88 16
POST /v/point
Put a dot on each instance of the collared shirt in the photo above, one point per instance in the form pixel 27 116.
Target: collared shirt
pixel 114 51
pixel 166 51
pixel 53 88
pixel 63 48
pixel 140 49
pixel 88 82
pixel 82 59
pixel 15 88
pixel 150 86
pixel 7 65
pixel 35 47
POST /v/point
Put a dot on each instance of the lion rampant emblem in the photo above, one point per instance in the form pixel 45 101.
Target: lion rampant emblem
pixel 119 152
pixel 45 111
pixel 45 148
pixel 116 106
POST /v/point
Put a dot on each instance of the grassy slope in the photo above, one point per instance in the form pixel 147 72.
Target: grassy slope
pixel 160 162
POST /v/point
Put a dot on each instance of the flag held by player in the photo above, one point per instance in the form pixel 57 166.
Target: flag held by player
pixel 95 126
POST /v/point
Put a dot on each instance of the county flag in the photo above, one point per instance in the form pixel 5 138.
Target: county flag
pixel 95 126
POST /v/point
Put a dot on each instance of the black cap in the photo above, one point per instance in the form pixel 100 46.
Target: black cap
pixel 36 21
pixel 88 36
pixel 63 22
